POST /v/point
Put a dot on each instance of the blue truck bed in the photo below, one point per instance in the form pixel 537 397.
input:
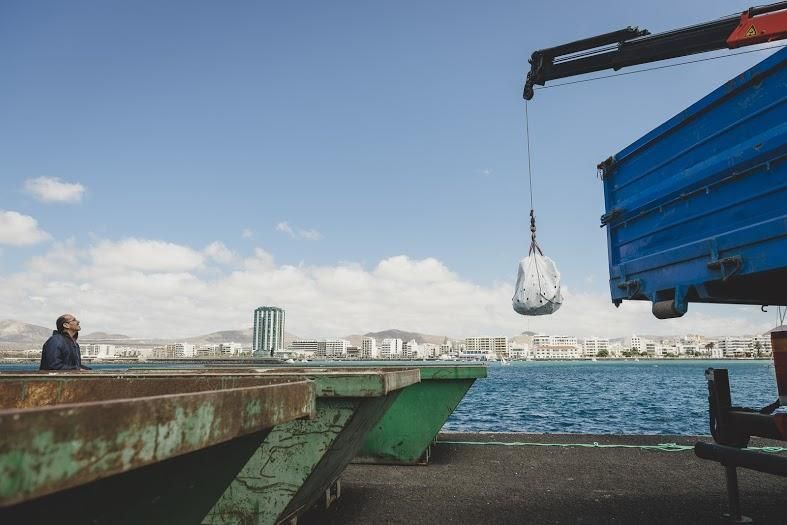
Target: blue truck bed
pixel 696 210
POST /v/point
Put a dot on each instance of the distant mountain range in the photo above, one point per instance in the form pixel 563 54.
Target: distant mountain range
pixel 20 335
pixel 23 333
pixel 393 333
pixel 104 336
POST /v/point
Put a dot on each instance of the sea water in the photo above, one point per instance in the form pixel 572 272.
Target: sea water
pixel 602 397
pixel 606 397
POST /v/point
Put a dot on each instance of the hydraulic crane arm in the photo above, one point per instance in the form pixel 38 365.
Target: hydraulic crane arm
pixel 632 46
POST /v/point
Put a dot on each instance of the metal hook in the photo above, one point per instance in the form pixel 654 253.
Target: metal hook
pixel 764 308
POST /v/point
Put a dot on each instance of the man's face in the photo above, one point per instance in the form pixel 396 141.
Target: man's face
pixel 72 324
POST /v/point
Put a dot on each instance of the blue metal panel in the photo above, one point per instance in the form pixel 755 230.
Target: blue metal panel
pixel 696 210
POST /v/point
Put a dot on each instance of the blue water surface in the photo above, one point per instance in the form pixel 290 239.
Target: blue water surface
pixel 602 397
pixel 606 397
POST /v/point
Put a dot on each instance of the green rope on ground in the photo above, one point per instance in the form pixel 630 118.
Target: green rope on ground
pixel 661 447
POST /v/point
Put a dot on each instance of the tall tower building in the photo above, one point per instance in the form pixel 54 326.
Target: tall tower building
pixel 268 330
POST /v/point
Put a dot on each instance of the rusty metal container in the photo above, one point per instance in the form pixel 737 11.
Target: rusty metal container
pixel 78 448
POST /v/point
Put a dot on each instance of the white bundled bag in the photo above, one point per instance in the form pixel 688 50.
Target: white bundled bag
pixel 537 289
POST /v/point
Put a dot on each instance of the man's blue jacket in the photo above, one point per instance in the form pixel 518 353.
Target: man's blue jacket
pixel 61 353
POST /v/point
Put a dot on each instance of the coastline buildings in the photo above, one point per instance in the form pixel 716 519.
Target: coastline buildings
pixel 268 334
pixel 333 348
pixel 755 346
pixel 391 349
pixel 486 347
pixel 520 347
pixel 556 347
pixel 305 346
pixel 592 346
pixel 97 350
pixel 369 348
pixel 321 348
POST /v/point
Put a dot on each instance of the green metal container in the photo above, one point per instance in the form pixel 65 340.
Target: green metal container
pixel 82 449
pixel 299 461
pixel 404 435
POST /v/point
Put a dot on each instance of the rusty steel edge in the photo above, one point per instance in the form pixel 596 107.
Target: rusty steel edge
pixel 53 448
pixel 330 381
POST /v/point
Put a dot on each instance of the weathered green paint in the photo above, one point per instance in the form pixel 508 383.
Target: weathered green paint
pixel 329 381
pixel 278 469
pixel 54 446
pixel 300 460
pixel 444 372
pixel 404 434
pixel 180 490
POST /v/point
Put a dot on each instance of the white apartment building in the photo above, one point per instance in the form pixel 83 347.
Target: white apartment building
pixel 518 351
pixel 410 350
pixel 369 348
pixel 689 348
pixel 744 346
pixel 591 346
pixel 671 350
pixel 430 350
pixel 764 344
pixel 556 347
pixel 127 351
pixel 209 350
pixel 635 342
pixel 230 349
pixel 446 349
pixel 486 346
pixel 652 348
pixel 616 350
pixel 180 350
pixel 333 348
pixel 305 346
pixel 734 346
pixel 391 348
pixel 97 350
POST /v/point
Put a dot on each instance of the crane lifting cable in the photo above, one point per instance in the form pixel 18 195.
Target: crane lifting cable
pixel 537 290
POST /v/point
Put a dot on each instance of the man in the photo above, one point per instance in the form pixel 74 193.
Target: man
pixel 61 350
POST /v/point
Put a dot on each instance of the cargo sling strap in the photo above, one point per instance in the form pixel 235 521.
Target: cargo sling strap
pixel 537 290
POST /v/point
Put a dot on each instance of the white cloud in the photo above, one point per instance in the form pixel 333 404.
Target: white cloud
pixel 62 258
pixel 146 255
pixel 153 288
pixel 219 252
pixel 247 233
pixel 20 230
pixel 297 233
pixel 310 235
pixel 52 189
pixel 285 228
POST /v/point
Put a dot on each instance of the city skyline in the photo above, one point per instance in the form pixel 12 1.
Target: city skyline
pixel 537 346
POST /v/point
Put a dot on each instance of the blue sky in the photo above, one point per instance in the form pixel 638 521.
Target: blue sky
pixel 335 135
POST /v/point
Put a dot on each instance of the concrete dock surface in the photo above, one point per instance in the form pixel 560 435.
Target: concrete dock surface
pixel 473 483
